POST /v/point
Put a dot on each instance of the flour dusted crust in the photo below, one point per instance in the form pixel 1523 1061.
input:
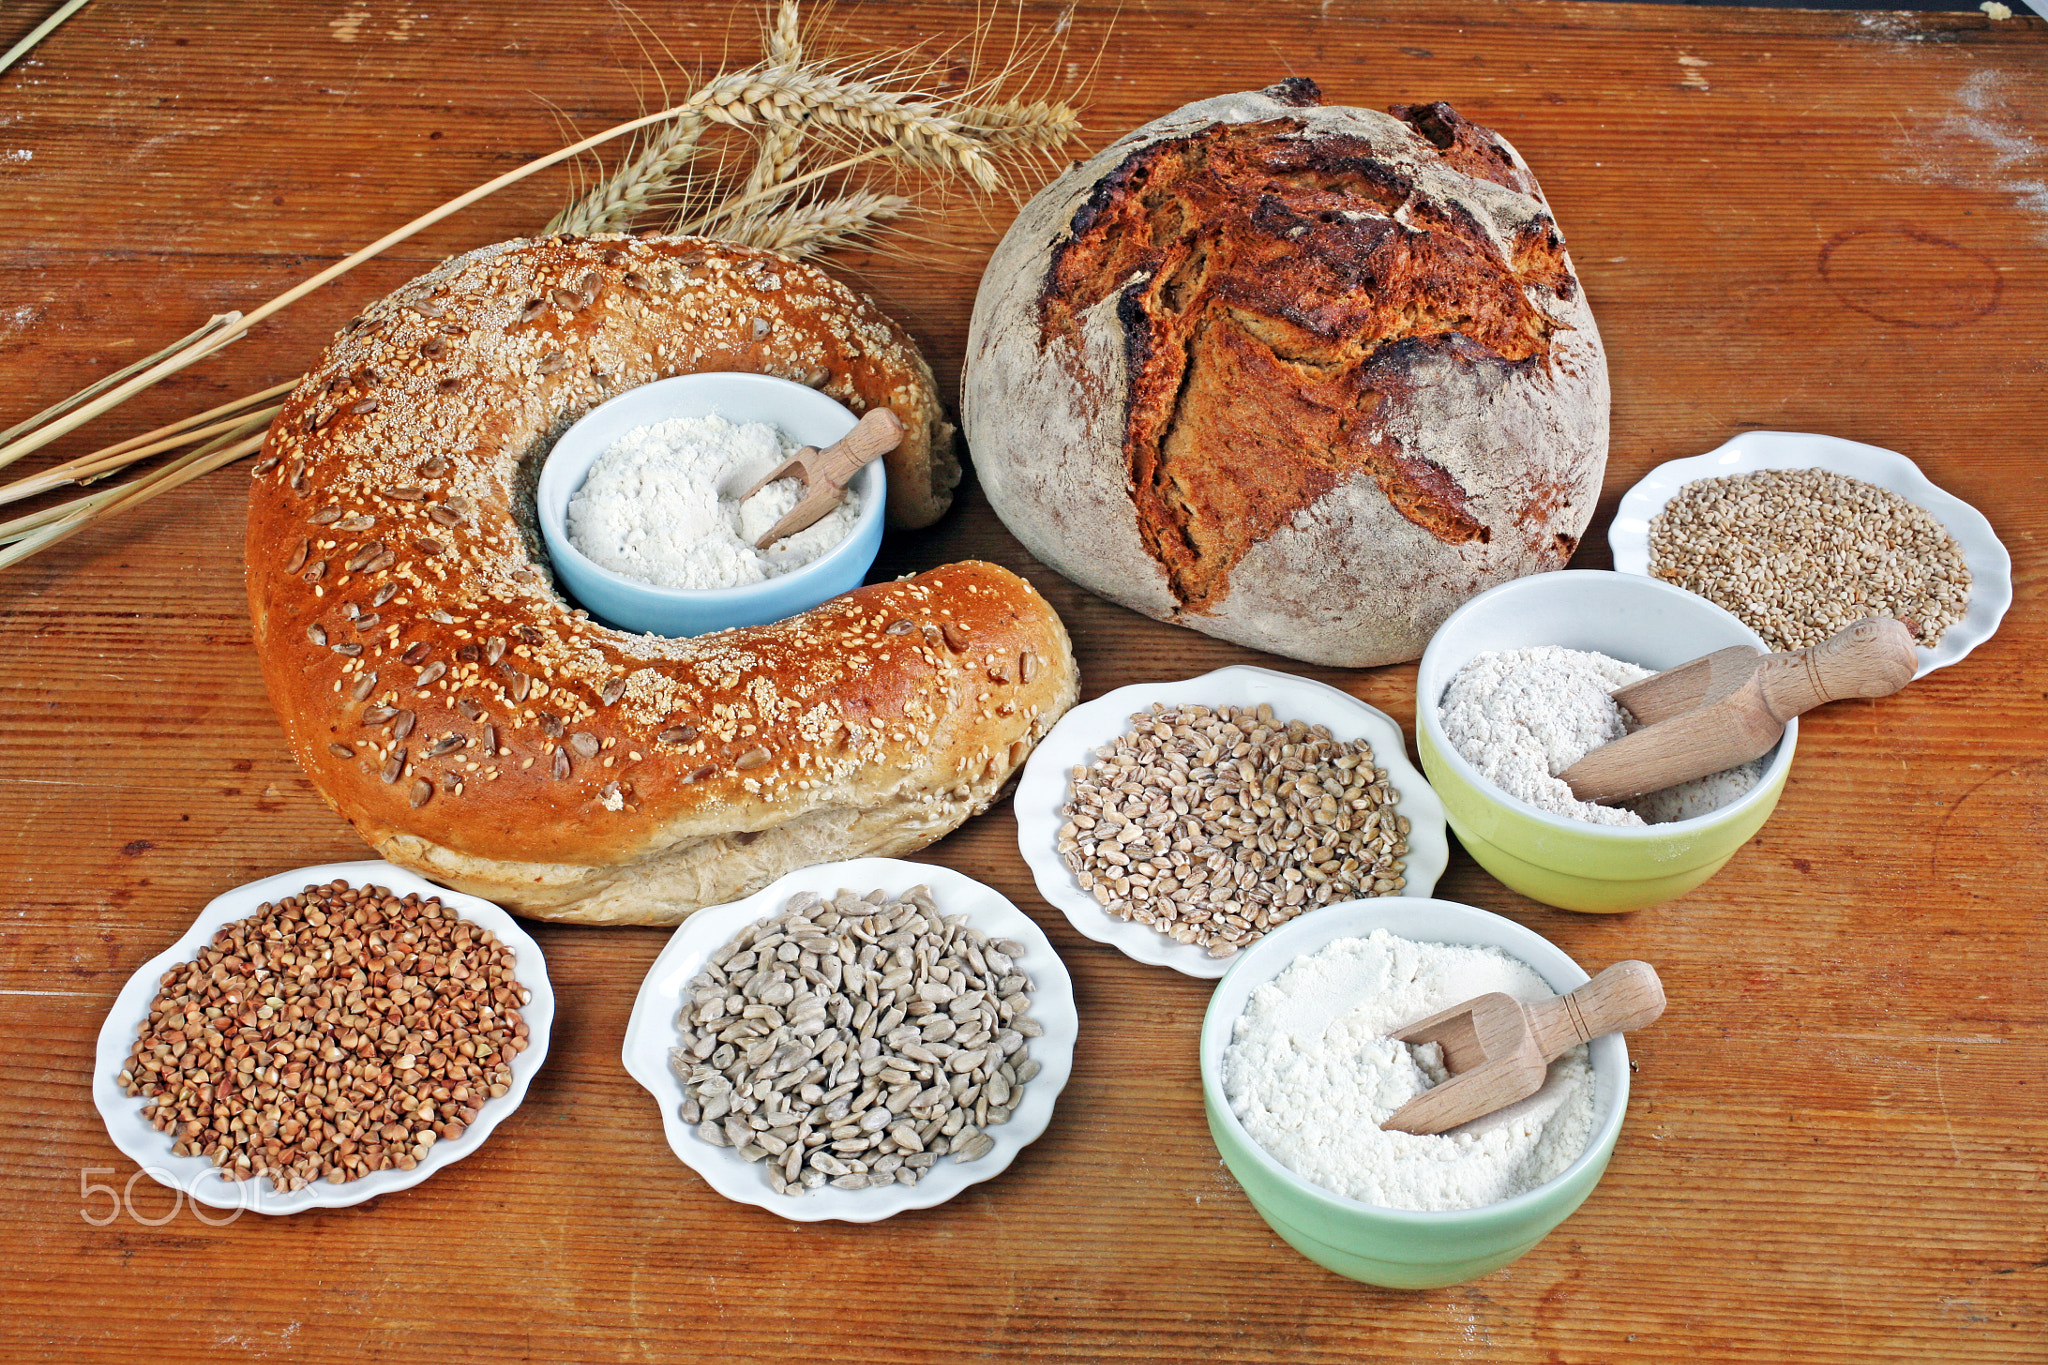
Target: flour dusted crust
pixel 446 700
pixel 1300 377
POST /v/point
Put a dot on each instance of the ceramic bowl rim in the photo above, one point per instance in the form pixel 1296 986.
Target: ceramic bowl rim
pixel 551 497
pixel 1600 1142
pixel 1427 720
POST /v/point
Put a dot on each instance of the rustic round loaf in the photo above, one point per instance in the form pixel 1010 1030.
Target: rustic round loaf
pixel 1304 378
pixel 446 700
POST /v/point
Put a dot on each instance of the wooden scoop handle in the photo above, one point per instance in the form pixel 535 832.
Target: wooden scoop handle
pixel 1875 657
pixel 1625 996
pixel 876 434
pixel 827 472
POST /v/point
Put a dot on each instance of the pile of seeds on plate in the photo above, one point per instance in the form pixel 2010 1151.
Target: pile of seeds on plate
pixel 1213 825
pixel 1798 554
pixel 331 1034
pixel 855 1041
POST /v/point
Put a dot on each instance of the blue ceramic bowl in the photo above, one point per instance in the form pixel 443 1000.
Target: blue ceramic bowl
pixel 805 415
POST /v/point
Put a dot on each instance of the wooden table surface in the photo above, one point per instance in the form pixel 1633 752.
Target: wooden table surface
pixel 1792 220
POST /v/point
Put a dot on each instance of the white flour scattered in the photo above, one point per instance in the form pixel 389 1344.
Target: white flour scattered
pixel 1312 1073
pixel 1523 716
pixel 659 506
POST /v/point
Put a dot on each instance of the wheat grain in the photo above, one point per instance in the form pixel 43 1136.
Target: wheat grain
pixel 1040 125
pixel 806 229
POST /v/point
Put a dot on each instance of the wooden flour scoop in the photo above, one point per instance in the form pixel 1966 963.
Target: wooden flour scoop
pixel 827 472
pixel 1498 1050
pixel 1728 707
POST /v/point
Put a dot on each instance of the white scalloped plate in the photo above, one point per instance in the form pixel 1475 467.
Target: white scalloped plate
pixel 1990 565
pixel 1042 792
pixel 652 1032
pixel 196 1175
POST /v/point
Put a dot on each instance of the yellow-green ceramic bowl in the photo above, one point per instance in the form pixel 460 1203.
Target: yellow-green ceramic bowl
pixel 1569 863
pixel 1401 1248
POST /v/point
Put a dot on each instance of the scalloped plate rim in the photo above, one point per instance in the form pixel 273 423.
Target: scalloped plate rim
pixel 1041 792
pixel 123 1116
pixel 651 1032
pixel 1628 535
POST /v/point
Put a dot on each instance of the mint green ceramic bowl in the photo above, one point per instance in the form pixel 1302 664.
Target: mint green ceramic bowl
pixel 1569 863
pixel 1396 1247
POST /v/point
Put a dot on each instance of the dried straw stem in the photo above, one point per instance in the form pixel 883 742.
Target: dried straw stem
pixel 40 32
pixel 212 325
pixel 101 463
pixel 189 354
pixel 41 530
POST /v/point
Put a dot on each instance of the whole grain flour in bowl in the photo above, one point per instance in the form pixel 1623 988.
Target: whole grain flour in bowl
pixel 1524 716
pixel 1312 1071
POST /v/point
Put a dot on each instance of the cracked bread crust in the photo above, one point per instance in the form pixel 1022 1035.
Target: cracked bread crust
pixel 1304 378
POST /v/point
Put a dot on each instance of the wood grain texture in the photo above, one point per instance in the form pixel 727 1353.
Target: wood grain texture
pixel 1794 220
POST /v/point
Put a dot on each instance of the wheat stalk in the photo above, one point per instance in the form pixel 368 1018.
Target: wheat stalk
pixel 40 32
pixel 99 464
pixel 822 224
pixel 1037 124
pixel 47 528
pixel 785 103
pixel 212 325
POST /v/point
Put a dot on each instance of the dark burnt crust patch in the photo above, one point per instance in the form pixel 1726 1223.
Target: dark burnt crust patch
pixel 1465 145
pixel 1271 301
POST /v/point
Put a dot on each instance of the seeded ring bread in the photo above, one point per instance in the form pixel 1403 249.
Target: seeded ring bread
pixel 1304 377
pixel 447 701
